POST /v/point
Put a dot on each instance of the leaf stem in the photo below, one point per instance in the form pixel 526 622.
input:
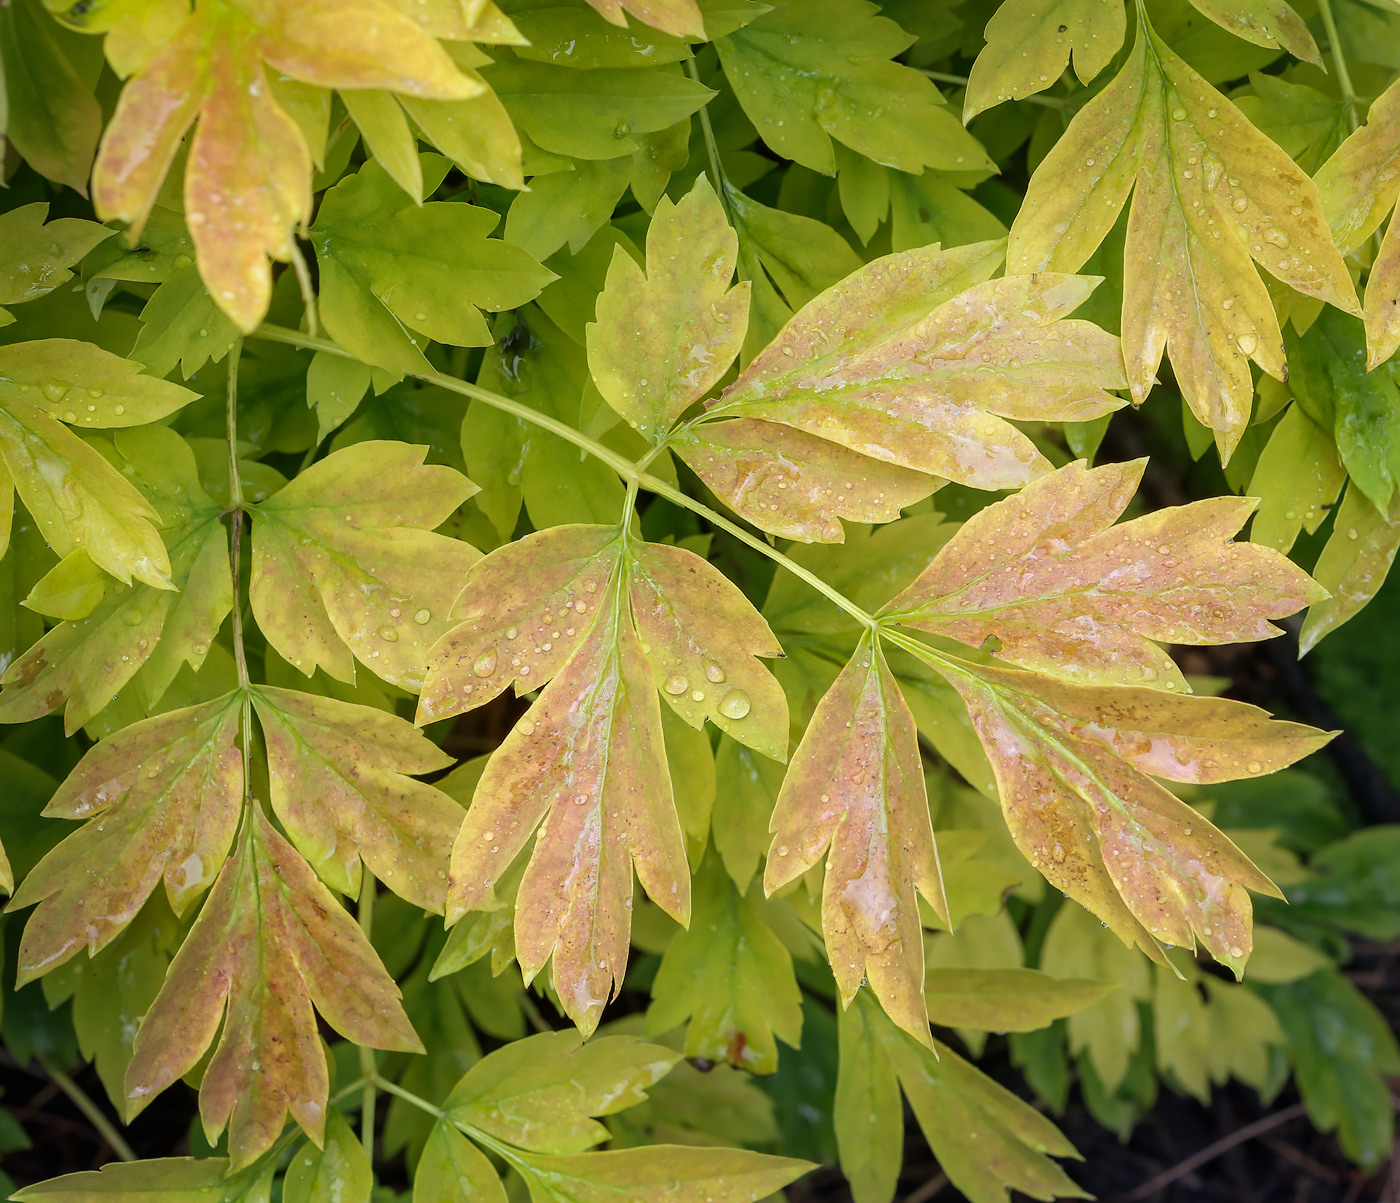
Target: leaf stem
pixel 408 1096
pixel 1334 44
pixel 235 562
pixel 91 1111
pixel 707 131
pixel 368 1065
pixel 961 81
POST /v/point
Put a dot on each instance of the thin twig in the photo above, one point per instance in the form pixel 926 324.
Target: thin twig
pixel 1211 1152
pixel 929 1188
pixel 91 1111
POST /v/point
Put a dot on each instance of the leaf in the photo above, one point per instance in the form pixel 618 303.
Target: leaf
pixel 38 254
pixel 1056 588
pixel 248 177
pixel 338 1172
pixel 1189 285
pixel 1029 44
pixel 676 17
pixel 855 791
pixel 746 787
pixel 731 977
pixel 1297 479
pixel 806 78
pixel 180 1179
pixel 345 562
pixel 340 786
pixel 453 1170
pixel 269 942
pixel 916 358
pixel 54 119
pixel 1359 186
pixel 677 1173
pixel 1074 766
pixel 139 629
pixel 987 1140
pixel 85 386
pixel 70 589
pixel 1265 23
pixel 394 275
pixel 1006 1000
pixel 664 338
pixel 182 325
pixel 1353 564
pixel 161 799
pixel 1359 407
pixel 541 1093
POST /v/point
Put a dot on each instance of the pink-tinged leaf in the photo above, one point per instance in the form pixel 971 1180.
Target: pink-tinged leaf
pixel 1063 591
pixel 918 360
pixel 1212 196
pixel 1074 765
pixel 1265 23
pixel 664 338
pixel 855 793
pixel 702 638
pixel 270 942
pixel 340 785
pixel 345 560
pixel 541 1093
pixel 510 631
pixel 793 484
pixel 676 17
pixel 161 799
pixel 587 766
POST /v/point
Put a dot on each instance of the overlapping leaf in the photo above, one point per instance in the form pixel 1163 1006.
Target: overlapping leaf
pixel 731 977
pixel 187 1179
pixel 161 800
pixel 1360 184
pixel 600 625
pixel 38 254
pixel 918 359
pixel 340 785
pixel 1058 589
pixel 986 1139
pixel 676 17
pixel 138 628
pixel 1211 197
pixel 659 1174
pixel 1074 765
pixel 394 275
pixel 270 941
pixel 855 792
pixel 346 564
pixel 248 177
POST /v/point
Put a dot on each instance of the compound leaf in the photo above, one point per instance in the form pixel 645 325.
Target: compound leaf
pixel 541 1093
pixel 731 977
pixel 855 792
pixel 1074 765
pixel 346 564
pixel 917 359
pixel 340 786
pixel 664 337
pixel 1211 196
pixel 270 941
pixel 161 799
pixel 1056 588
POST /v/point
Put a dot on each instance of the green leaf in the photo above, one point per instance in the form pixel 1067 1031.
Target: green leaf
pixel 394 276
pixel 1342 1051
pixel 665 337
pixel 1353 564
pixel 731 977
pixel 452 1170
pixel 1297 480
pixel 175 1179
pixel 674 1173
pixel 340 786
pixel 162 798
pixel 567 207
pixel 746 788
pixel 806 77
pixel 1358 887
pixel 338 1172
pixel 85 386
pixel 70 589
pixel 1265 23
pixel 1006 1000
pixel 269 941
pixel 335 385
pixel 181 325
pixel 541 1093
pixel 346 565
pixel 37 255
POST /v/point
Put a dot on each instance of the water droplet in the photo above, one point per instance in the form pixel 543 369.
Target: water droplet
pixel 1178 114
pixel 119 410
pixel 1246 343
pixel 1240 204
pixel 485 664
pixel 676 685
pixel 736 704
pixel 714 673
pixel 1255 767
pixel 511 632
pixel 1236 951
pixel 422 616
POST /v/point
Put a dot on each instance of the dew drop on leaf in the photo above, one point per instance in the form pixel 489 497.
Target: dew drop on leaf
pixel 735 704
